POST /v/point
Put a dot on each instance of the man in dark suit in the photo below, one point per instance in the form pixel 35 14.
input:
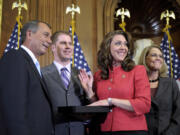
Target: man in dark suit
pixel 25 108
pixel 68 93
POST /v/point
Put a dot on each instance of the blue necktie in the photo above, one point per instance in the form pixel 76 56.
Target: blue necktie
pixel 65 77
pixel 38 67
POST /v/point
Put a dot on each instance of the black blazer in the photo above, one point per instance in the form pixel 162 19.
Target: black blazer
pixel 164 115
pixel 24 105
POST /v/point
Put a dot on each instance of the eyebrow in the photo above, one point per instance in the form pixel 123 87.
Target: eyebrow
pixel 65 42
pixel 46 33
pixel 156 53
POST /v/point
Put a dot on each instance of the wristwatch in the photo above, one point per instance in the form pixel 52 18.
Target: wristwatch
pixel 109 100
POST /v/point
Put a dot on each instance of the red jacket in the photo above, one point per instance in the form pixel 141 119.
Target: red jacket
pixel 134 86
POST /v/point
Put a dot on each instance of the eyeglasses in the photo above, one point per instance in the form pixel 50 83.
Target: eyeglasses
pixel 156 55
pixel 119 43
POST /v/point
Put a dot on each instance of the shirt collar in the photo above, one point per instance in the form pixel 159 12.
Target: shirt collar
pixel 30 53
pixel 59 66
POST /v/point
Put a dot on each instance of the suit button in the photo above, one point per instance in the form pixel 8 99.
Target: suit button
pixel 111 80
pixel 109 88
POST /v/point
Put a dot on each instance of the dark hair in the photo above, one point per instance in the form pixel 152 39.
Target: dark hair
pixel 31 25
pixel 142 60
pixel 105 59
pixel 57 33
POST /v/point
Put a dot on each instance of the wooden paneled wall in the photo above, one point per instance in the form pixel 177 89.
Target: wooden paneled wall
pixel 50 11
pixel 108 17
pixel 53 12
pixel 95 20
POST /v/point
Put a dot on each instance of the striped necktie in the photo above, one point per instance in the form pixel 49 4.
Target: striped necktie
pixel 64 77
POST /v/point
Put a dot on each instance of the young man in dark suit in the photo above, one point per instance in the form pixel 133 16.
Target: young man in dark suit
pixel 64 88
pixel 25 108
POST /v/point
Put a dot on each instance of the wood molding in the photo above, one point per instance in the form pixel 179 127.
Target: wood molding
pixel 178 1
pixel 94 36
pixel 109 10
pixel 7 23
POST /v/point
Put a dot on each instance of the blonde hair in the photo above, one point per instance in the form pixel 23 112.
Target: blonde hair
pixel 142 60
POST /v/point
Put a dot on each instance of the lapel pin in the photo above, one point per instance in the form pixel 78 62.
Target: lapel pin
pixel 123 76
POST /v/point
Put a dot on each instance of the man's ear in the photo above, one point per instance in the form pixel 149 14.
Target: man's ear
pixel 53 47
pixel 28 34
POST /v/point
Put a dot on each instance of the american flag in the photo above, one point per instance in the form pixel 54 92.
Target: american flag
pixel 174 57
pixel 79 59
pixel 13 40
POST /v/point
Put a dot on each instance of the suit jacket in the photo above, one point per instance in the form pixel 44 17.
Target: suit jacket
pixel 24 105
pixel 60 96
pixel 164 115
pixel 132 85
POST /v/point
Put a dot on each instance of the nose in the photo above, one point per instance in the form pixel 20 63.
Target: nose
pixel 159 56
pixel 68 45
pixel 123 47
pixel 49 40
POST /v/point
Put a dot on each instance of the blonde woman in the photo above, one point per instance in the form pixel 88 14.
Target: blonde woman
pixel 164 116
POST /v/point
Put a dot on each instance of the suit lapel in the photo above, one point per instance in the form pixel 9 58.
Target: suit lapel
pixel 57 76
pixel 33 67
pixel 74 78
pixel 74 74
pixel 161 87
pixel 30 61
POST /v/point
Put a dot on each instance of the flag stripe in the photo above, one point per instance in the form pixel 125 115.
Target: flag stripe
pixel 174 57
pixel 13 40
pixel 79 59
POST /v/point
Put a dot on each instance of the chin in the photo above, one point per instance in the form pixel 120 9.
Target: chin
pixel 43 52
pixel 66 59
pixel 120 60
pixel 155 69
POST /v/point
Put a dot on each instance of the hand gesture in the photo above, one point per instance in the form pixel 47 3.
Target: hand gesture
pixel 86 82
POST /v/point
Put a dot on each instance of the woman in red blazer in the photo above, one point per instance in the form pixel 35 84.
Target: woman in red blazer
pixel 121 84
